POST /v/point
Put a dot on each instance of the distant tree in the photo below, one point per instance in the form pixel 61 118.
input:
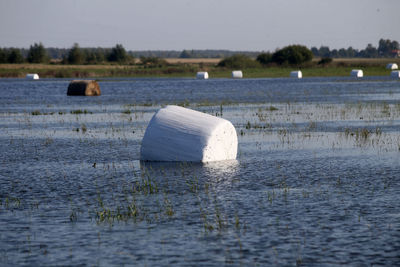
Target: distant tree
pixel 264 58
pixel 37 54
pixel 90 56
pixel 118 54
pixel 386 47
pixel 100 55
pixel 75 55
pixel 57 53
pixel 334 53
pixel 315 51
pixel 95 55
pixel 15 56
pixel 185 54
pixel 351 52
pixel 342 52
pixel 238 61
pixel 395 45
pixel 3 55
pixel 369 52
pixel 324 51
pixel 292 54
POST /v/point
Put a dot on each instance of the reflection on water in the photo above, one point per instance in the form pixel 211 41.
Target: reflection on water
pixel 214 168
pixel 223 168
pixel 315 181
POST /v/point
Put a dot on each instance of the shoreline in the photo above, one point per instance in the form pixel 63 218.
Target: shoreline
pixel 181 68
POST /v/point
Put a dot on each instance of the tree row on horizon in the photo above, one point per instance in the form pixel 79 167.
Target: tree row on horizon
pixel 37 53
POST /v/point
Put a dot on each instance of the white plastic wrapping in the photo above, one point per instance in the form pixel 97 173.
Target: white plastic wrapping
pixel 237 74
pixel 202 75
pixel 357 73
pixel 180 134
pixel 392 66
pixel 296 74
pixel 32 76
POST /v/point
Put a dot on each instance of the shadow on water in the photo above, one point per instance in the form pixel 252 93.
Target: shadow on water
pixel 218 174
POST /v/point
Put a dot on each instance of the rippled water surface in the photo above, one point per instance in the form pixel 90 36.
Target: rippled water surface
pixel 316 181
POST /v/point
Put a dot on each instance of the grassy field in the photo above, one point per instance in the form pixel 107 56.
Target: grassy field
pixel 189 67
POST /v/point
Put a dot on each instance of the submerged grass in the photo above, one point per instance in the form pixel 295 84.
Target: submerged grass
pixel 80 111
pixel 177 195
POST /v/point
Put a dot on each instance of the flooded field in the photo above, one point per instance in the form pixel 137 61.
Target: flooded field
pixel 316 181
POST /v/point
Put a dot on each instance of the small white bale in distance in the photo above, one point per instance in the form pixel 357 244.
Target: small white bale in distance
pixel 296 74
pixel 32 76
pixel 392 66
pixel 180 134
pixel 202 75
pixel 395 74
pixel 357 73
pixel 237 74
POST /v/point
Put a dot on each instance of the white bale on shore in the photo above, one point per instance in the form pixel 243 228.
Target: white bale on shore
pixel 202 75
pixel 296 74
pixel 357 73
pixel 237 74
pixel 392 66
pixel 395 74
pixel 32 76
pixel 180 134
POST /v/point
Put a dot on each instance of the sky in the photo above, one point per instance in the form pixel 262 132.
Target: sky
pixel 251 25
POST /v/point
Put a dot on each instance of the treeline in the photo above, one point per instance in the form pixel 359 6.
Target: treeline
pixel 386 48
pixel 37 53
pixel 289 55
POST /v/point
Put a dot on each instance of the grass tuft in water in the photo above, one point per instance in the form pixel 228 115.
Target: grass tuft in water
pixel 79 111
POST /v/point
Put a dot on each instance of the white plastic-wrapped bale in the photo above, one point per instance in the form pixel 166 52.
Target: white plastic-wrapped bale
pixel 180 134
pixel 296 74
pixel 357 73
pixel 202 75
pixel 83 88
pixel 392 66
pixel 237 74
pixel 32 76
pixel 395 74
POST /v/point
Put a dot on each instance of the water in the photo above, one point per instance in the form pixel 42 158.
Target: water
pixel 316 181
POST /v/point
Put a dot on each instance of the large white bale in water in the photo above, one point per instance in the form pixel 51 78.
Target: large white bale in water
pixel 32 76
pixel 202 75
pixel 296 74
pixel 392 66
pixel 237 74
pixel 395 74
pixel 357 73
pixel 180 134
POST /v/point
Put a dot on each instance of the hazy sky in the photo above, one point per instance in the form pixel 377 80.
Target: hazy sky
pixel 187 24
